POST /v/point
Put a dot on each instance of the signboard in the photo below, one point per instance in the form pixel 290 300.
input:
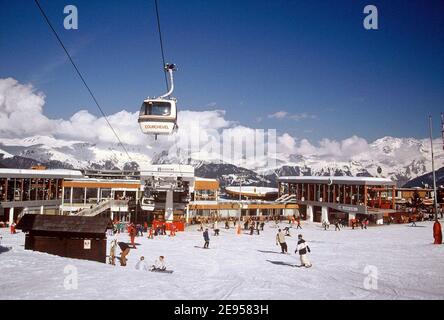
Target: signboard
pixel 87 244
pixel 348 208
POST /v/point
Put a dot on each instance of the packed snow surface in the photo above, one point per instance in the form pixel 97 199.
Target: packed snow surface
pixel 402 258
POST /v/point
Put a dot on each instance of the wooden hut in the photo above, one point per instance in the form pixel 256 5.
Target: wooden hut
pixel 66 236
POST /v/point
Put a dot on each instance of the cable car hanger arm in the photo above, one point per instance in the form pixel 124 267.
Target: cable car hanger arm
pixel 169 68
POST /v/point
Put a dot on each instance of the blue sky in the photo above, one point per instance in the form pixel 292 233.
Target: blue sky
pixel 250 58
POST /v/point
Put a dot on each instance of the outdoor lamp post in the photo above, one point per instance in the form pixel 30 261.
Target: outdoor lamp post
pixel 437 233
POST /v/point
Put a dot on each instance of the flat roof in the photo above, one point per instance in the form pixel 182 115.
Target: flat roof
pixel 339 180
pixel 48 173
pixel 251 190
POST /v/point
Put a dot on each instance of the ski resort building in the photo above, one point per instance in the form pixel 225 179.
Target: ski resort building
pixel 326 198
pixel 172 194
pixel 32 191
pixel 237 201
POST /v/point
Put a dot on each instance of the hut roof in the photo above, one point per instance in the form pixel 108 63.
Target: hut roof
pixel 68 224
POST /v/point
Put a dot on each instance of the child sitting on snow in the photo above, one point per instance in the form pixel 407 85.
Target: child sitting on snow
pixel 159 265
pixel 141 264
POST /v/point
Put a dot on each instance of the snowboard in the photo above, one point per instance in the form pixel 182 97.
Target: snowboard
pixel 202 247
pixel 301 266
pixel 162 271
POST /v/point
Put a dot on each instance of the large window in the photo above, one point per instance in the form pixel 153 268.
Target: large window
pixel 157 108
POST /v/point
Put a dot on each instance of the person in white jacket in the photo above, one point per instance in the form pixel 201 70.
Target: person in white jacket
pixel 141 264
pixel 303 248
pixel 280 240
pixel 159 264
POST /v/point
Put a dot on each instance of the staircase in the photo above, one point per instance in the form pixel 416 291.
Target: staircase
pixel 287 198
pixel 101 207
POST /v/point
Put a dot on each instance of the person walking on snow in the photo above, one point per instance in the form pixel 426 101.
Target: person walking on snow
pixel 298 220
pixel 132 233
pixel 280 240
pixel 206 237
pixel 302 248
pixel 337 225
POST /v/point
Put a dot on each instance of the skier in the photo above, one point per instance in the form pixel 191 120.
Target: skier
pixel 172 230
pixel 132 233
pixel 325 225
pixel 206 237
pixel 287 231
pixel 364 224
pixel 141 264
pixel 227 226
pixel 280 240
pixel 159 264
pixel 251 229
pixel 112 252
pixel 125 250
pixel 337 228
pixel 413 221
pixel 262 226
pixel 216 228
pixel 13 228
pixel 303 248
pixel 298 220
pixel 150 233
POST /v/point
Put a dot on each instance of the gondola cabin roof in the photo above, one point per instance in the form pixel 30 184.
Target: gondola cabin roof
pixel 64 224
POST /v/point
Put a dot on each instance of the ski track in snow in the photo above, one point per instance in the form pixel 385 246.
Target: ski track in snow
pixel 236 267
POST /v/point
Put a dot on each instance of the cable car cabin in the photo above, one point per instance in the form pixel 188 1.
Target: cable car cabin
pixel 158 116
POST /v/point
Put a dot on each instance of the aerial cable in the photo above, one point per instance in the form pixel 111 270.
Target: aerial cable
pixel 81 77
pixel 161 44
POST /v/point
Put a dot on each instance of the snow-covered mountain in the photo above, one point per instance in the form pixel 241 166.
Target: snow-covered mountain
pixel 401 159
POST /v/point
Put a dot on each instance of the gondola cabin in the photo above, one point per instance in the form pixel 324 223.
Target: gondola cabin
pixel 158 116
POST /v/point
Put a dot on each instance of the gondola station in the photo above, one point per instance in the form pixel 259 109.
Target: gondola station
pixel 173 194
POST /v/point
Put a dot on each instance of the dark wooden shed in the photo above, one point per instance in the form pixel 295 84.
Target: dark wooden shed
pixel 66 236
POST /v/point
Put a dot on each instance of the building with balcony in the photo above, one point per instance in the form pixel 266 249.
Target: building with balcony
pixel 323 198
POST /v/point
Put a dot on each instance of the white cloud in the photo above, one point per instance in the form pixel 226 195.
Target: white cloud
pixel 295 116
pixel 201 132
pixel 278 115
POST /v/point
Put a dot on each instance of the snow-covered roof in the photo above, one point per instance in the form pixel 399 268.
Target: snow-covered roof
pixel 251 190
pixel 205 179
pixel 340 179
pixel 49 173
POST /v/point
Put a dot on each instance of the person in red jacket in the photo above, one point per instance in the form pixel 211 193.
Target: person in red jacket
pixel 13 228
pixel 150 233
pixel 172 230
pixel 132 233
pixel 437 233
